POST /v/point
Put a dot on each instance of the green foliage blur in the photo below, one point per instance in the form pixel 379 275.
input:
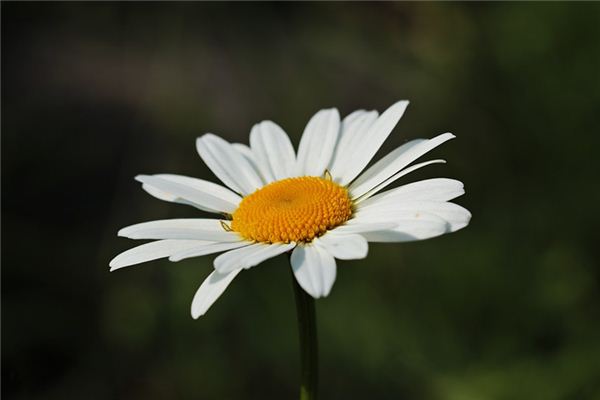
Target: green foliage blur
pixel 95 93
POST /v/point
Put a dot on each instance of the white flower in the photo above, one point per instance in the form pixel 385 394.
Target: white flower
pixel 315 203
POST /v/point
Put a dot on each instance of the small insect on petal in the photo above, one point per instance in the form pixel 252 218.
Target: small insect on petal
pixel 225 227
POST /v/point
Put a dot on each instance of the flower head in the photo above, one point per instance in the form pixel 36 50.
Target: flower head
pixel 315 203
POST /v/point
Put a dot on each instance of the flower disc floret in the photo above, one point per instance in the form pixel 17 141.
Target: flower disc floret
pixel 292 210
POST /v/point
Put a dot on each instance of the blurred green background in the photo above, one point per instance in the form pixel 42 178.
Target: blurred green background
pixel 93 94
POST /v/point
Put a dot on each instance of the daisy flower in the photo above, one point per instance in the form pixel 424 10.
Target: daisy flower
pixel 319 203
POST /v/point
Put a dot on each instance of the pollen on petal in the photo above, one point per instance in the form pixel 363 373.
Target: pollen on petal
pixel 293 209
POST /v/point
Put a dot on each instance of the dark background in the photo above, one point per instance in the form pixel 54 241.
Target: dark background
pixel 93 94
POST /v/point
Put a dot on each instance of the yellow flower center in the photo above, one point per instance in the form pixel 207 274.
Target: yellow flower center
pixel 293 209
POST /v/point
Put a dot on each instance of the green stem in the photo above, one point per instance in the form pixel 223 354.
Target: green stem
pixel 307 329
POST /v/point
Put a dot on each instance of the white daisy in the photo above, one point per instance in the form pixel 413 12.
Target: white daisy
pixel 315 203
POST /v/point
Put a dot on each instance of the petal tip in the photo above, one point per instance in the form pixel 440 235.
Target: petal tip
pixel 468 217
pixel 399 107
pixel 201 139
pixel 141 177
pixel 364 254
pixel 449 135
pixel 196 313
pixel 266 123
pixel 114 264
pixel 333 111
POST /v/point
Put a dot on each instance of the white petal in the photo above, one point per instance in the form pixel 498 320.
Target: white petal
pixel 416 230
pixel 352 135
pixel 392 179
pixel 193 228
pixel 201 194
pixel 273 150
pixel 314 269
pixel 369 141
pixel 249 256
pixel 317 143
pixel 399 175
pixel 210 290
pixel 344 246
pixel 353 116
pixel 207 248
pixel 245 151
pixel 386 160
pixel 456 216
pixel 394 162
pixel 270 251
pixel 375 216
pixel 437 189
pixel 234 259
pixel 360 226
pixel 151 251
pixel 228 164
pixel 410 228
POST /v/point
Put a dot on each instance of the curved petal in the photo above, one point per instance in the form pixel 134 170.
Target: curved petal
pixel 210 290
pixel 207 248
pixel 392 179
pixel 409 227
pixel 359 226
pixel 228 164
pixel 245 151
pixel 152 251
pixel 412 231
pixel 314 269
pixel 352 117
pixel 274 151
pixel 436 189
pixel 456 216
pixel 385 161
pixel 376 216
pixel 317 143
pixel 352 135
pixel 394 162
pixel 201 194
pixel 344 246
pixel 368 142
pixel 249 256
pixel 192 228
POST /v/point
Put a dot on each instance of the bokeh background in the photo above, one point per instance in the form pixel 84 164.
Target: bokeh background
pixel 93 94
